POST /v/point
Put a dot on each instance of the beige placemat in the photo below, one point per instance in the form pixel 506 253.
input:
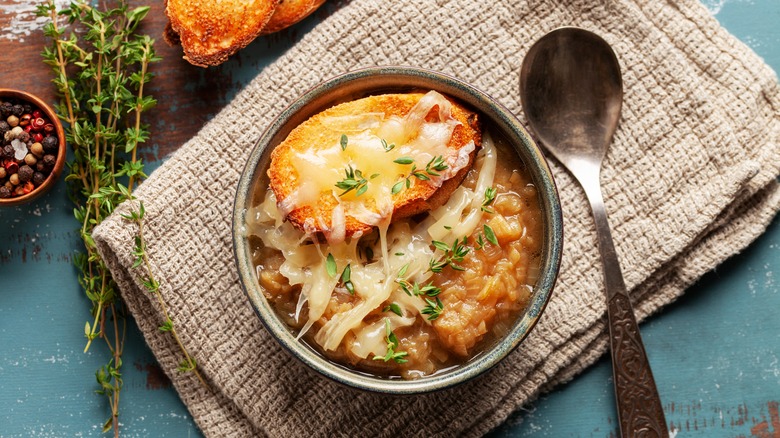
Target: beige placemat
pixel 690 180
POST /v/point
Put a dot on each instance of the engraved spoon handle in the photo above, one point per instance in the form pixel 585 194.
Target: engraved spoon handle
pixel 640 413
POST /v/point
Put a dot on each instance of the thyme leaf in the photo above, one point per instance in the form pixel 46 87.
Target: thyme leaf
pixel 393 307
pixel 330 265
pixel 490 235
pixel 387 147
pixel 344 140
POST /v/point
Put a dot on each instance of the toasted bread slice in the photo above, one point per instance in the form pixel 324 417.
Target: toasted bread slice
pixel 212 30
pixel 290 12
pixel 418 197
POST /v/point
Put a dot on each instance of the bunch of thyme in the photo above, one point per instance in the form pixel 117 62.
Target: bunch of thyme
pixel 100 67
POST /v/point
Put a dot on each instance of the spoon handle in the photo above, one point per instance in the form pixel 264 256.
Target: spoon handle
pixel 639 406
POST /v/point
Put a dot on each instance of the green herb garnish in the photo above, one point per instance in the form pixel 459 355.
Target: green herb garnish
pixel 393 307
pixel 392 344
pixel 354 181
pixel 490 196
pixel 490 235
pixel 403 160
pixel 452 255
pixel 346 278
pixel 436 164
pixel 344 140
pixel 330 265
pixel 387 147
pixel 433 309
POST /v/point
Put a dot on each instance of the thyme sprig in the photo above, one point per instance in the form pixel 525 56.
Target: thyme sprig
pixel 354 180
pixel 432 168
pixel 392 345
pixel 188 363
pixel 452 255
pixel 490 196
pixel 100 66
pixel 385 146
pixel 433 309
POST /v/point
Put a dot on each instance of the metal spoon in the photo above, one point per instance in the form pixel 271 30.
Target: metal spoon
pixel 571 92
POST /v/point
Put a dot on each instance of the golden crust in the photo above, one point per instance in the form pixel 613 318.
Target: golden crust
pixel 290 12
pixel 418 199
pixel 212 30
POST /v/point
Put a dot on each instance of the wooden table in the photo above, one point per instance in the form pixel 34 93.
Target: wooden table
pixel 715 353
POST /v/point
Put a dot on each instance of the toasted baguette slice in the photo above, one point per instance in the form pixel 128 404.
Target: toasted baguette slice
pixel 290 12
pixel 212 30
pixel 419 198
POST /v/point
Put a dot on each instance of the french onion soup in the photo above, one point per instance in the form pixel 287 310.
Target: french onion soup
pixel 395 235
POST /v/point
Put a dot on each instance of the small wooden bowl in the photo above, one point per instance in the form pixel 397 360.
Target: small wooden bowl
pixel 54 176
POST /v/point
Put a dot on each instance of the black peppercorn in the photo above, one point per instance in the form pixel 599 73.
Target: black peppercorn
pixel 38 178
pixel 7 152
pixel 27 108
pixel 24 136
pixel 4 127
pixel 48 162
pixel 25 173
pixel 50 144
pixel 4 192
pixel 6 109
pixel 39 166
pixel 17 110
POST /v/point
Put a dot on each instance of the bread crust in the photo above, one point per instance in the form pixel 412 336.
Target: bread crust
pixel 290 12
pixel 420 198
pixel 212 30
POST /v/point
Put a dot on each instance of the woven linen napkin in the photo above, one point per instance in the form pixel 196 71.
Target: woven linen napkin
pixel 690 179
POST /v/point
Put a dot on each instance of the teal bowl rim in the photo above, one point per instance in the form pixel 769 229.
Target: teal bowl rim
pixel 374 80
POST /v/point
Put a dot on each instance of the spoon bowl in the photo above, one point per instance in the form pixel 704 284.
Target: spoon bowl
pixel 577 92
pixel 572 92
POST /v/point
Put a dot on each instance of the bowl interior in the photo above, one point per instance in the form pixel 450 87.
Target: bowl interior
pixel 381 80
pixel 54 176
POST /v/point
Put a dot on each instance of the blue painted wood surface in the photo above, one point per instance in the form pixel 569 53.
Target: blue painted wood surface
pixel 715 352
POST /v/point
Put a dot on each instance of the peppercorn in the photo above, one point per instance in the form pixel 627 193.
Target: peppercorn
pixel 18 110
pixel 25 119
pixel 4 127
pixel 10 166
pixel 3 173
pixel 7 151
pixel 37 137
pixel 37 149
pixel 12 120
pixel 48 128
pixel 23 136
pixel 50 144
pixel 37 114
pixel 38 178
pixel 37 123
pixel 9 186
pixel 4 192
pixel 40 167
pixel 25 173
pixel 30 159
pixel 49 161
pixel 14 179
pixel 24 189
pixel 6 108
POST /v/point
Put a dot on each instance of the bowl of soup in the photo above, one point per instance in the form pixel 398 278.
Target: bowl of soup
pixel 397 230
